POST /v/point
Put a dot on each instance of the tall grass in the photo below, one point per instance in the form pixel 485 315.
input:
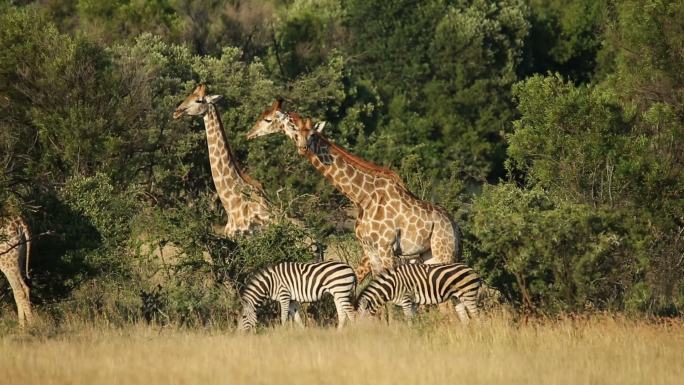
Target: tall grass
pixel 600 350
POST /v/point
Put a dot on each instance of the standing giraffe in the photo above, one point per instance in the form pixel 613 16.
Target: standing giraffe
pixel 15 248
pixel 391 220
pixel 241 196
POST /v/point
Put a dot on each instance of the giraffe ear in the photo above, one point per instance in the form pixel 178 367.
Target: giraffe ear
pixel 308 123
pixel 320 126
pixel 213 98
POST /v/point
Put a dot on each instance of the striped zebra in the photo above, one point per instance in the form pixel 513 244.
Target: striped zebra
pixel 292 282
pixel 409 285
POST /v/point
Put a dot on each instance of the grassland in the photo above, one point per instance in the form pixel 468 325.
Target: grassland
pixel 602 350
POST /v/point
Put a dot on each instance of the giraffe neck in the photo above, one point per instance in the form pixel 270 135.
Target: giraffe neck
pixel 221 156
pixel 355 181
pixel 229 179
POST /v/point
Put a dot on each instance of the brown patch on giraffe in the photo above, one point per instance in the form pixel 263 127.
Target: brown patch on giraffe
pixel 379 213
pixel 357 180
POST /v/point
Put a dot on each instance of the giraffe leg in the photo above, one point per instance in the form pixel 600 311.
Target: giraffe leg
pixel 20 291
pixel 229 231
pixel 363 269
pixel 385 258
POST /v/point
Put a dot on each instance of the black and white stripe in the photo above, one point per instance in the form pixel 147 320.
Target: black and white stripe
pixel 293 282
pixel 409 285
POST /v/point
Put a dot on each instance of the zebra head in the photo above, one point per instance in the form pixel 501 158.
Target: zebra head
pixel 256 291
pixel 379 291
pixel 248 317
pixel 364 307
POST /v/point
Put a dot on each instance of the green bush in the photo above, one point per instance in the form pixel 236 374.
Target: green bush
pixel 590 146
pixel 555 255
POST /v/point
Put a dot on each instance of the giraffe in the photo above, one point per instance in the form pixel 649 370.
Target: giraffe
pixel 15 248
pixel 391 221
pixel 241 196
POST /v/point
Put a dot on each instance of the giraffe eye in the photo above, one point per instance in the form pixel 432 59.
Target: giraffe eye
pixel 268 120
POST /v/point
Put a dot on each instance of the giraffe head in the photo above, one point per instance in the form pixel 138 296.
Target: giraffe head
pixel 270 121
pixel 273 120
pixel 301 132
pixel 197 103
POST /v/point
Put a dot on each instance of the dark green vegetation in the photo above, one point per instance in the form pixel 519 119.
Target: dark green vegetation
pixel 552 130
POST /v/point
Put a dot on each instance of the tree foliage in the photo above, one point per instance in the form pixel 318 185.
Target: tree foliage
pixel 550 129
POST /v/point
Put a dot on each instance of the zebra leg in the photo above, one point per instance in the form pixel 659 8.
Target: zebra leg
pixel 461 311
pixel 363 269
pixel 284 300
pixel 351 313
pixel 471 304
pixel 343 307
pixel 409 309
pixel 294 313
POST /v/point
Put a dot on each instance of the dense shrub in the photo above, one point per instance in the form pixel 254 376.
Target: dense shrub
pixel 551 130
pixel 554 255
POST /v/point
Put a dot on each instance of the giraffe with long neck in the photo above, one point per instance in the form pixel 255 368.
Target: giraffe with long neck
pixel 242 197
pixel 391 221
pixel 15 248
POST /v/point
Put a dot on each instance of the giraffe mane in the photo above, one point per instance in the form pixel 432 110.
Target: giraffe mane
pixel 249 180
pixel 245 177
pixel 362 163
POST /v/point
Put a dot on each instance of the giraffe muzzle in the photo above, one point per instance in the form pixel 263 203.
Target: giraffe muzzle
pixel 178 113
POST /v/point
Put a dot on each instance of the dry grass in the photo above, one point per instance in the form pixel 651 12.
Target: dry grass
pixel 602 350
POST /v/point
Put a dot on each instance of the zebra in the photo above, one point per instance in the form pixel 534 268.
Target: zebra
pixel 292 282
pixel 411 284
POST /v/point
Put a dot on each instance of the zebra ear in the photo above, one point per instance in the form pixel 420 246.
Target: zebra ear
pixel 320 126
